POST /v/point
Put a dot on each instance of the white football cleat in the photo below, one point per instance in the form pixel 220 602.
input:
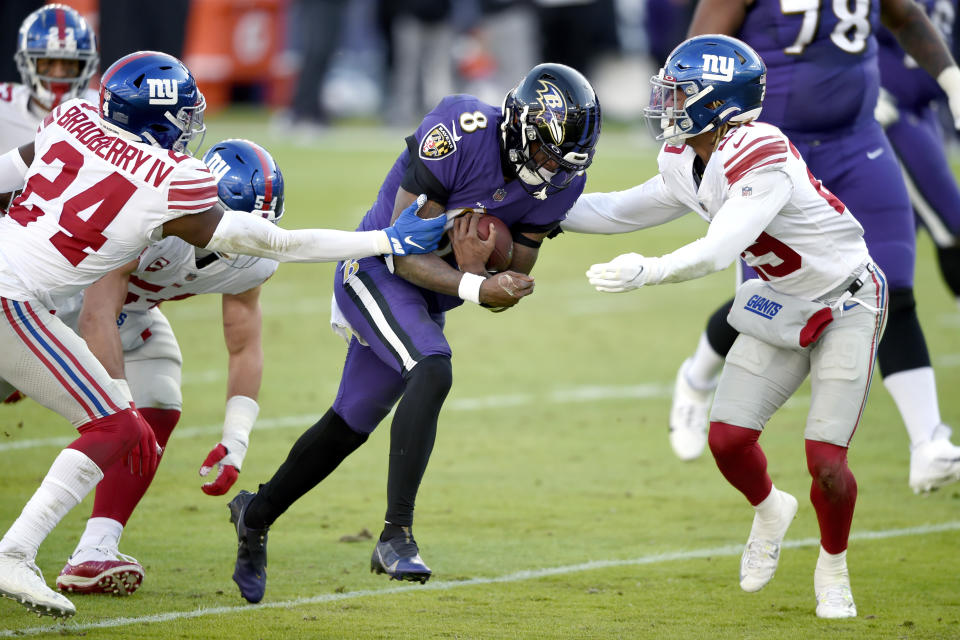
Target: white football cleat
pixel 762 552
pixel 21 580
pixel 834 598
pixel 100 570
pixel 933 464
pixel 688 416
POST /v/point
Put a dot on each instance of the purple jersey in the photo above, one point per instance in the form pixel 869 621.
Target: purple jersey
pixel 454 157
pixel 913 87
pixel 822 73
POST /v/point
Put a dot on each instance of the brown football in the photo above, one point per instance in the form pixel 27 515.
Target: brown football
pixel 502 254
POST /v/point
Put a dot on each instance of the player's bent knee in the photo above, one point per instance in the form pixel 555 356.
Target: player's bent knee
pixel 827 465
pixel 435 371
pixel 728 439
pixel 108 439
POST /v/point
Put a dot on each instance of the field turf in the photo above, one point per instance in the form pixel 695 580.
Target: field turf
pixel 553 506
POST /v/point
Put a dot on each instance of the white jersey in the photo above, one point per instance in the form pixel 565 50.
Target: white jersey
pixel 18 121
pixel 167 270
pixel 92 202
pixel 763 205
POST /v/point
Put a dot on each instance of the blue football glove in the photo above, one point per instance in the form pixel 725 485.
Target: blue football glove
pixel 412 234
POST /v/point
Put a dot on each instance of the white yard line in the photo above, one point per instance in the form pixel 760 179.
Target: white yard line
pixel 436 585
pixel 555 396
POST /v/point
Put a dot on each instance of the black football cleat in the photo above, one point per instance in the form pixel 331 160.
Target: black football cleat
pixel 400 559
pixel 250 572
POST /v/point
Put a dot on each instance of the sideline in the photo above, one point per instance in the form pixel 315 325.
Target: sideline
pixel 519 576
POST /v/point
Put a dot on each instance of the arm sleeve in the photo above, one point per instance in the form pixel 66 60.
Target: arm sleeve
pixel 12 171
pixel 734 228
pixel 645 205
pixel 240 232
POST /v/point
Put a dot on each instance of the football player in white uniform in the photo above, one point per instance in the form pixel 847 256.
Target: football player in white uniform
pixel 124 167
pixel 144 351
pixel 56 56
pixel 819 308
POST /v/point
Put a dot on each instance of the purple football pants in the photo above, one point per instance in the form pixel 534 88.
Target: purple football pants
pixel 917 139
pixel 393 317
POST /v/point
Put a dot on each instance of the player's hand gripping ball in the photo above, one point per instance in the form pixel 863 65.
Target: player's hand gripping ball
pixel 502 254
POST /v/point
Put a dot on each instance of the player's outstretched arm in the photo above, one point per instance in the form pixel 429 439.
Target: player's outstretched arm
pixel 237 232
pixel 431 272
pixel 242 328
pixel 102 303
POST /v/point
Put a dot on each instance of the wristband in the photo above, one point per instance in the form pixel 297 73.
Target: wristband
pixel 949 81
pixel 240 414
pixel 469 288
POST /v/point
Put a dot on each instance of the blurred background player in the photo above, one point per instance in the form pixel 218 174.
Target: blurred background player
pixel 525 163
pixel 127 301
pixel 829 118
pixel 909 108
pixel 760 199
pixel 56 56
pixel 48 254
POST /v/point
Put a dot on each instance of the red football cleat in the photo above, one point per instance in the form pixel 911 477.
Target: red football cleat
pixel 101 571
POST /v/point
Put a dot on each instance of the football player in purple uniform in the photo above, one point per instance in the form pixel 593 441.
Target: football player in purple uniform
pixel 523 163
pixel 908 111
pixel 822 88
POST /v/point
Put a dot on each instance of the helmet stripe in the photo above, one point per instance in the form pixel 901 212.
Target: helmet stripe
pixel 61 24
pixel 112 71
pixel 267 177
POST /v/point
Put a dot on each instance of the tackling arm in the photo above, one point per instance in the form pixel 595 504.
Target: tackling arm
pixel 645 205
pixel 431 272
pixel 102 303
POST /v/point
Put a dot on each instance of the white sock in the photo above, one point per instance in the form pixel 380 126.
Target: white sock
pixel 70 478
pixel 915 394
pixel 769 509
pixel 101 532
pixel 703 368
pixel 831 567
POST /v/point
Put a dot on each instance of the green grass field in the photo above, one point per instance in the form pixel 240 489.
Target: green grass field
pixel 553 506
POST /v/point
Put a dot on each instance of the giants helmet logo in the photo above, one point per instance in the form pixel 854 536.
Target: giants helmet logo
pixel 162 90
pixel 554 112
pixel 717 67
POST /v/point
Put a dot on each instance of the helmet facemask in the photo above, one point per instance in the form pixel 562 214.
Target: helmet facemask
pixel 49 91
pixel 541 167
pixel 668 116
pixel 188 121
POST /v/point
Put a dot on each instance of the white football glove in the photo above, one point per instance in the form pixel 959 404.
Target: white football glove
pixel 624 273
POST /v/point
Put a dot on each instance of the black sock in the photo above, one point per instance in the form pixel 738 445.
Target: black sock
pixel 391 530
pixel 314 455
pixel 412 434
pixel 720 334
pixel 902 346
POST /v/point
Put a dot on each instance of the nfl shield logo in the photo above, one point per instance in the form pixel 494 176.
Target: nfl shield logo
pixel 499 194
pixel 747 191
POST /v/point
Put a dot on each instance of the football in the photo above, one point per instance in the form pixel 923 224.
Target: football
pixel 502 254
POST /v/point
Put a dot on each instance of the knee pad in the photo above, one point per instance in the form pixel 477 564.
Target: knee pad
pixel 902 346
pixel 435 372
pixel 949 259
pixel 720 334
